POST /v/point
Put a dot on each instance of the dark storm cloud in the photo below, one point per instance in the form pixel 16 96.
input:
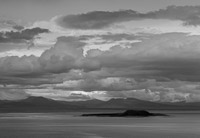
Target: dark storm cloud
pixel 96 19
pixel 21 36
pixel 190 15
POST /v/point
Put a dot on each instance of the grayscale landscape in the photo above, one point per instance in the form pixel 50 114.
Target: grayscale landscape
pixel 99 68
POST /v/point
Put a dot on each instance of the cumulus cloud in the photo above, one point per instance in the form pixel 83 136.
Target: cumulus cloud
pixel 66 55
pixel 163 57
pixel 101 19
pixel 60 58
pixel 162 67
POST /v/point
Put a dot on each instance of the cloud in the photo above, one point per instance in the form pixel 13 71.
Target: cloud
pixel 62 95
pixel 106 84
pixel 152 90
pixel 171 56
pixel 22 36
pixel 148 89
pixel 4 23
pixel 12 94
pixel 189 15
pixel 72 97
pixel 163 95
pixel 95 20
pixel 162 67
pixel 66 55
pixel 18 27
pixel 110 37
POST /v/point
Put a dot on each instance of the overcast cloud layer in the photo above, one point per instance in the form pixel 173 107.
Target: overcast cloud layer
pixel 104 54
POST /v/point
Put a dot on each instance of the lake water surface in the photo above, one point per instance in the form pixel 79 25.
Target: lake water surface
pixel 71 125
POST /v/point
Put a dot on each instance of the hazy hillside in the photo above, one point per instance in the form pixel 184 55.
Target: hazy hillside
pixel 40 104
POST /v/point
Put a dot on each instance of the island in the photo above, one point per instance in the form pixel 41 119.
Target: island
pixel 127 113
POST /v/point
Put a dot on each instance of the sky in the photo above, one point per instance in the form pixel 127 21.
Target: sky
pixel 76 50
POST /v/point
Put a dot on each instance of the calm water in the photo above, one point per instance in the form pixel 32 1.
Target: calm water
pixel 70 125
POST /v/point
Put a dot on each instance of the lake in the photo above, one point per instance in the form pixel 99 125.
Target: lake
pixel 185 124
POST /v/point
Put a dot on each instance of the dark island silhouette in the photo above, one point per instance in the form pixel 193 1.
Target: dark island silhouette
pixel 127 113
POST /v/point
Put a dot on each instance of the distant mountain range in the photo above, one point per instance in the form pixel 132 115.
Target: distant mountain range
pixel 40 104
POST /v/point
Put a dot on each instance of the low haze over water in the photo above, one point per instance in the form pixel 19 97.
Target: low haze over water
pixel 71 125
